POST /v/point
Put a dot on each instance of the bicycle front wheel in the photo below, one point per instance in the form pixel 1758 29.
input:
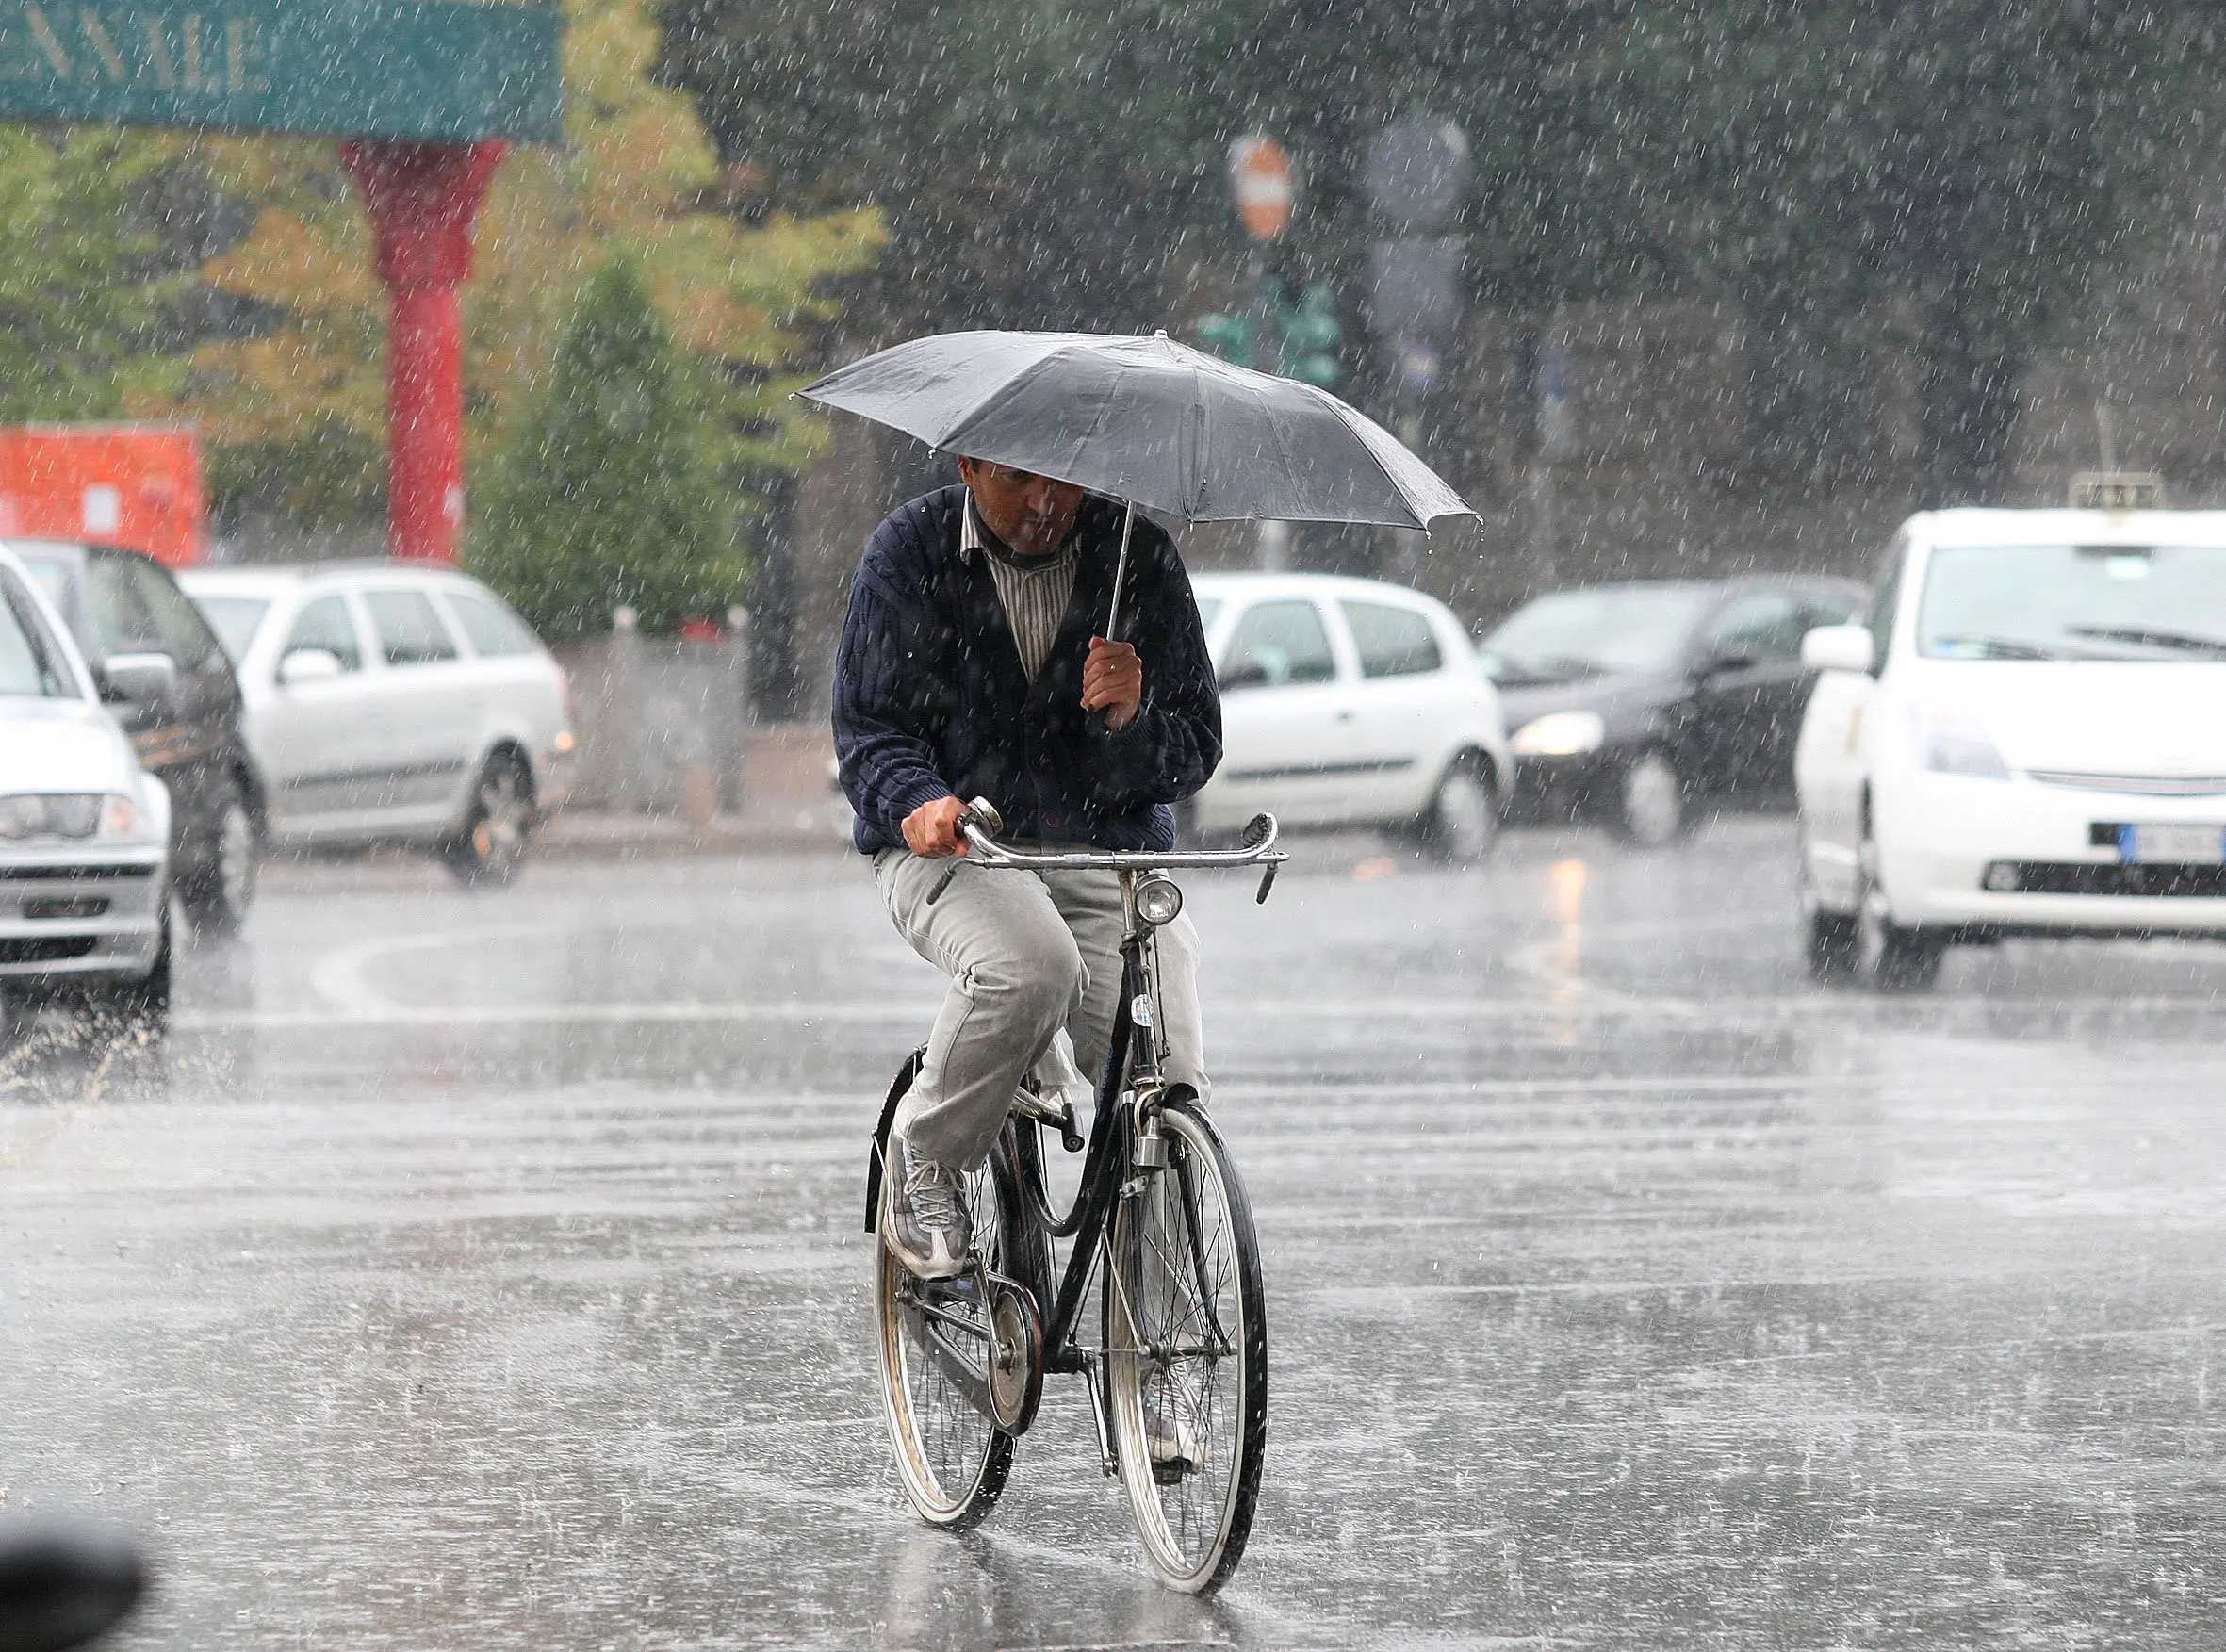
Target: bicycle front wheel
pixel 935 1374
pixel 1187 1357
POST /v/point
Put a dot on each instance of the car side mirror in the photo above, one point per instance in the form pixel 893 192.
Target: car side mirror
pixel 309 666
pixel 1837 648
pixel 1248 674
pixel 137 680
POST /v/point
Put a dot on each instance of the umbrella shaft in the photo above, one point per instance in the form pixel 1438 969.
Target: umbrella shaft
pixel 1128 524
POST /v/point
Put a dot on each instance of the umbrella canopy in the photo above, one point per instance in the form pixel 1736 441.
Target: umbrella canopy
pixel 1148 421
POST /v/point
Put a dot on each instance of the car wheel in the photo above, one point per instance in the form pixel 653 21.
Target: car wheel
pixel 19 1012
pixel 218 895
pixel 1649 807
pixel 1463 821
pixel 1891 957
pixel 487 852
pixel 138 1009
pixel 1834 947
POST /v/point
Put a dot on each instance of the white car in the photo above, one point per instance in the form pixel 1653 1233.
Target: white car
pixel 1350 703
pixel 84 831
pixel 393 702
pixel 2028 738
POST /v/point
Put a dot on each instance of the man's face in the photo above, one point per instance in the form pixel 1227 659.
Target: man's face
pixel 1030 512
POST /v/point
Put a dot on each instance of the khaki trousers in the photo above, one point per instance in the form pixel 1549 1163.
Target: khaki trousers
pixel 1027 953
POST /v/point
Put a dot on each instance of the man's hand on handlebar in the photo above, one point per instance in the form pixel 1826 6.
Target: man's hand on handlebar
pixel 933 831
pixel 1113 680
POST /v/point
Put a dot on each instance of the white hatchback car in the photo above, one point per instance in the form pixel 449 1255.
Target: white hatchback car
pixel 1350 703
pixel 84 831
pixel 2028 738
pixel 393 702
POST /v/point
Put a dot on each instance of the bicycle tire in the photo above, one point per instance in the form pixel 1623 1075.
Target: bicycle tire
pixel 951 1457
pixel 1184 1260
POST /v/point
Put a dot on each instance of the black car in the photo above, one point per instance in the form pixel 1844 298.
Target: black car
pixel 170 684
pixel 1627 704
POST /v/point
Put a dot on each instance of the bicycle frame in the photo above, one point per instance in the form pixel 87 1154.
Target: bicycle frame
pixel 1129 1094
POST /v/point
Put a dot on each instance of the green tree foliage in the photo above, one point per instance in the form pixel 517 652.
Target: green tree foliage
pixel 607 493
pixel 1832 166
pixel 295 405
pixel 1040 162
pixel 1988 164
pixel 85 291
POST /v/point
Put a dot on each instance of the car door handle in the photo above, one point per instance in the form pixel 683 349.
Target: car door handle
pixel 1344 716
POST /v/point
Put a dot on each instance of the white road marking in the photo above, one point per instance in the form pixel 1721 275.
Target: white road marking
pixel 365 1008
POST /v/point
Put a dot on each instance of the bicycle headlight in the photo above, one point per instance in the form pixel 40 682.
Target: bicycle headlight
pixel 1159 900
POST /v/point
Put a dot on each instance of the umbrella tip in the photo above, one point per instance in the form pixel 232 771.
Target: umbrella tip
pixel 1159 332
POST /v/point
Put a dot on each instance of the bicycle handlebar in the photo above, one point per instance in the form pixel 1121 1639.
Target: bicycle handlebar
pixel 981 822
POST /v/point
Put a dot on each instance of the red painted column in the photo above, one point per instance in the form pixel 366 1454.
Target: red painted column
pixel 421 197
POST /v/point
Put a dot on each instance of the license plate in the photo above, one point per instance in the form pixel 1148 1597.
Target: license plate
pixel 2175 845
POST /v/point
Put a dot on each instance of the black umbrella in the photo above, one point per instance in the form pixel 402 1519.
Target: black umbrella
pixel 1147 420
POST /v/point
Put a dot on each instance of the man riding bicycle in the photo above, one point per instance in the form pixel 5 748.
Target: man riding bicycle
pixel 970 665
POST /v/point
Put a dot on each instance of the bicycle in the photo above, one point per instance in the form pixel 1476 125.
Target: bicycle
pixel 1177 1377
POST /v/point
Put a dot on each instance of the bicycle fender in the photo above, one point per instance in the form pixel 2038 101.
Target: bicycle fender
pixel 878 1156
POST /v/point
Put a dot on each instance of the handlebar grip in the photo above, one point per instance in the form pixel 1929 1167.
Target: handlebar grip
pixel 1267 883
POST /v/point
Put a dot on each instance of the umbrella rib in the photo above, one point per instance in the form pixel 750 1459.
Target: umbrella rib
pixel 1005 388
pixel 1276 432
pixel 1347 416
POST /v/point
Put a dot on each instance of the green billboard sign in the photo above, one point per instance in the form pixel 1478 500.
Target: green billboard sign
pixel 399 68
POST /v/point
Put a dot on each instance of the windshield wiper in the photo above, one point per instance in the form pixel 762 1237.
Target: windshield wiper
pixel 2005 647
pixel 2183 642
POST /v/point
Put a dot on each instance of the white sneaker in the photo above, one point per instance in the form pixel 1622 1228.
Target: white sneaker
pixel 925 1223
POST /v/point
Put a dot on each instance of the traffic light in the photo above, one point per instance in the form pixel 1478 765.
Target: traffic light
pixel 1228 336
pixel 1304 335
pixel 1310 335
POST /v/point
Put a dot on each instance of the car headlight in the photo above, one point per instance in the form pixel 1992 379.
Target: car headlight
pixel 1560 734
pixel 54 814
pixel 124 817
pixel 1950 741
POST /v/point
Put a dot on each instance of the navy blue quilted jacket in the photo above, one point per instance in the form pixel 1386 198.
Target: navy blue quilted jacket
pixel 931 701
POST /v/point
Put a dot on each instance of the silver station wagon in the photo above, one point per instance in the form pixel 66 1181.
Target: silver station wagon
pixel 393 702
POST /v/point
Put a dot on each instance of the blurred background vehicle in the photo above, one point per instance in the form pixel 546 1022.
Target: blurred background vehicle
pixel 1350 703
pixel 2028 737
pixel 1631 703
pixel 169 684
pixel 394 702
pixel 84 829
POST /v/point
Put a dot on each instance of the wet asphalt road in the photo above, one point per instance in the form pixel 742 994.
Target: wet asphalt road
pixel 485 1271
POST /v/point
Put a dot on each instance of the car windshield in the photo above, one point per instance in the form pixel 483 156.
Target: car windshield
pixel 235 620
pixel 29 666
pixel 1591 633
pixel 2075 602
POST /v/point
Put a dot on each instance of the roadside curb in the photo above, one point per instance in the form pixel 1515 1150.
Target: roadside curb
pixel 601 836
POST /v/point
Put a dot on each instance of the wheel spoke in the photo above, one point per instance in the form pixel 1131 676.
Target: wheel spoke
pixel 1183 1343
pixel 936 1353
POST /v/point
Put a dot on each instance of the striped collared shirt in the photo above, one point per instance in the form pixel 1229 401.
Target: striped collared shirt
pixel 1034 595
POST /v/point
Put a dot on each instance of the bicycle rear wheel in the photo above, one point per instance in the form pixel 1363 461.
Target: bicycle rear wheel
pixel 1187 1357
pixel 935 1372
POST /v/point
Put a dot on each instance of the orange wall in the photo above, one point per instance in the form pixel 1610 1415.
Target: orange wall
pixel 130 485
